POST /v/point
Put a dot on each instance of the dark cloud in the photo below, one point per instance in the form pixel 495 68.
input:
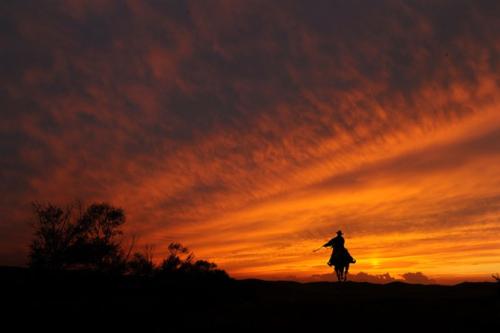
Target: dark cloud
pixel 417 278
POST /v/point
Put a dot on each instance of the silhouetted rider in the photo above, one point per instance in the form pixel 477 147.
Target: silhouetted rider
pixel 337 244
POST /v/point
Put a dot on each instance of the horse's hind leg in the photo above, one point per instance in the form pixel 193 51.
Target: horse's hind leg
pixel 345 272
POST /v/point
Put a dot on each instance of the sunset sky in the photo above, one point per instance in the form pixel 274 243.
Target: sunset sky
pixel 251 131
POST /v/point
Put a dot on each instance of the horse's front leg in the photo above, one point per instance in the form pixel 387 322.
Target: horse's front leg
pixel 346 271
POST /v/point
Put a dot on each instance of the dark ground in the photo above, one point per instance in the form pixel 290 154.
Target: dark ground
pixel 87 302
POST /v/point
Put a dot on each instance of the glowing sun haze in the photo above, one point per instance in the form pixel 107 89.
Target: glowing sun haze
pixel 251 131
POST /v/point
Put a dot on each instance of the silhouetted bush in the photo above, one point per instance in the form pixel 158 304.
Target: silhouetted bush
pixel 73 237
pixel 141 264
pixel 180 263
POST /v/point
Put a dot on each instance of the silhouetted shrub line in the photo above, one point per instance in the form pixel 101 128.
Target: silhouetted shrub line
pixel 89 239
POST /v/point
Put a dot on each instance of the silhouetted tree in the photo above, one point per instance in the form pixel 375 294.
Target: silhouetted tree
pixel 96 244
pixel 88 239
pixel 178 258
pixel 54 234
pixel 496 277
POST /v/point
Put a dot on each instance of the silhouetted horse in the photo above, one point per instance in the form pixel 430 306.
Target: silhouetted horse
pixel 341 262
